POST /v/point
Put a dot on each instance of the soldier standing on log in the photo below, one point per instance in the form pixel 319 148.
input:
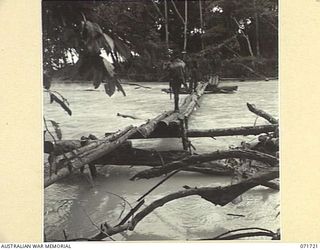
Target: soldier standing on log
pixel 176 75
pixel 194 76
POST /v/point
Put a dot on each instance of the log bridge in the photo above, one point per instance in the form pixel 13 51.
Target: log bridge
pixel 75 156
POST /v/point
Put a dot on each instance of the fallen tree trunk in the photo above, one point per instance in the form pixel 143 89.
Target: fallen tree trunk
pixel 216 195
pixel 126 155
pixel 173 132
pixel 85 155
pixel 67 165
pixel 262 113
pixel 194 159
pixel 250 130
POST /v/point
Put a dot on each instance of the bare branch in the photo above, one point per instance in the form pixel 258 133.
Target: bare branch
pixel 217 155
pixel 262 113
pixel 179 14
pixel 216 195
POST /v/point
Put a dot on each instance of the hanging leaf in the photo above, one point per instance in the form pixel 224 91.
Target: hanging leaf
pixel 122 48
pixel 95 38
pixel 109 67
pixel 60 102
pixel 110 88
pixel 57 129
pixel 119 87
pixel 46 81
pixel 97 78
pixel 109 41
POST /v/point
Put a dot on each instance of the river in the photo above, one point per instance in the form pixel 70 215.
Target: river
pixel 77 207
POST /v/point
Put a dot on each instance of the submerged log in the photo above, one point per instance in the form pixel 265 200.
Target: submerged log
pixel 141 157
pixel 127 155
pixel 195 159
pixel 209 90
pixel 262 113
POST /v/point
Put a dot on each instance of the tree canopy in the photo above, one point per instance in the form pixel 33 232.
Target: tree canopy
pixel 235 37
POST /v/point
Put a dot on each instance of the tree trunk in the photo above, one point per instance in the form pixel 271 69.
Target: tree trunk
pixel 256 17
pixel 217 155
pixel 185 25
pixel 191 133
pixel 250 130
pixel 201 23
pixel 166 23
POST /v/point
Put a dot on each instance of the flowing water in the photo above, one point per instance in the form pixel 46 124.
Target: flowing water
pixel 77 207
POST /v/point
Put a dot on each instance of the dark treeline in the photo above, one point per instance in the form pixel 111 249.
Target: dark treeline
pixel 234 38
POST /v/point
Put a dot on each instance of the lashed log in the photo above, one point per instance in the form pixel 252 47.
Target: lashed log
pixel 217 155
pixel 186 108
pixel 85 155
pixel 216 195
pixel 262 113
pixel 146 129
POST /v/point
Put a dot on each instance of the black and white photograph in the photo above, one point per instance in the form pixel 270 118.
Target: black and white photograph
pixel 160 120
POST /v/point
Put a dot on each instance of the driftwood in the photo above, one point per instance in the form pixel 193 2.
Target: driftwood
pixel 211 89
pixel 250 130
pixel 127 116
pixel 262 113
pixel 138 85
pixel 248 79
pixel 216 195
pixel 218 155
pixel 253 232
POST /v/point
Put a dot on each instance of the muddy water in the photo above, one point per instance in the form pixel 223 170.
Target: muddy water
pixel 76 206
